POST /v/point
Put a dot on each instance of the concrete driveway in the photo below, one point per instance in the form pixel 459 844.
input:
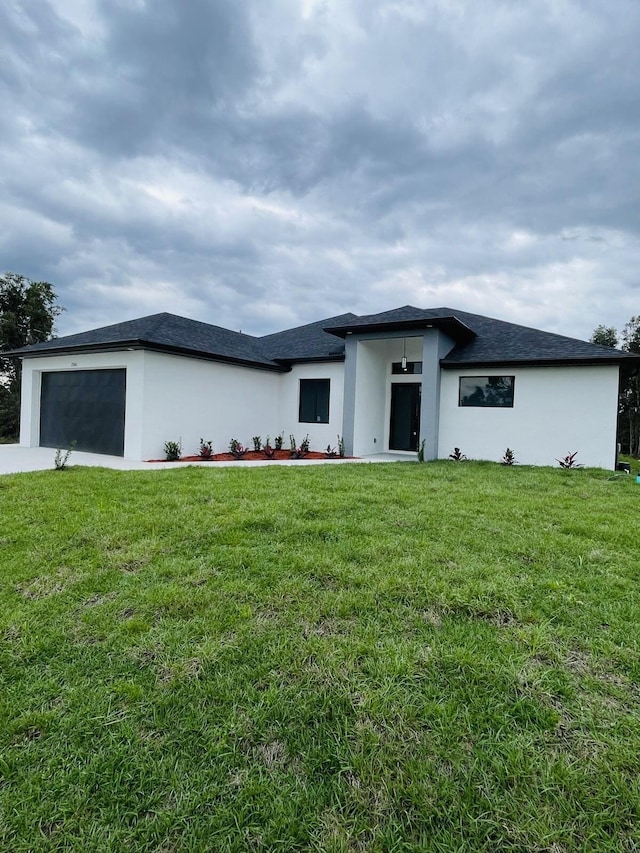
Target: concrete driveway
pixel 15 459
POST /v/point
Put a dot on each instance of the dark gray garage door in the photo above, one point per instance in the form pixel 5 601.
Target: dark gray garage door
pixel 85 406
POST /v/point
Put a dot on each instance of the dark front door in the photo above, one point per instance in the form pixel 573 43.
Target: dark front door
pixel 404 432
pixel 85 406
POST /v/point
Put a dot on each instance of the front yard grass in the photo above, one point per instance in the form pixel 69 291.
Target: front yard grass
pixel 439 657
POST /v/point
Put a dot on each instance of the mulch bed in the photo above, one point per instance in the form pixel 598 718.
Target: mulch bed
pixel 249 456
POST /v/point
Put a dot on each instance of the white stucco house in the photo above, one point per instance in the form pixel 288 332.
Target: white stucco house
pixel 385 382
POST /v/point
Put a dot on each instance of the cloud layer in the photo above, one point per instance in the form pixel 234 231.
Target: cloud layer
pixel 261 164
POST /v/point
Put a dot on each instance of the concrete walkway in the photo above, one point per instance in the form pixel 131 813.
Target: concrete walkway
pixel 15 459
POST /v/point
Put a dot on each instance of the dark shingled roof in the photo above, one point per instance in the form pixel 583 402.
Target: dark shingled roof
pixel 407 317
pixel 483 341
pixel 479 341
pixel 163 332
pixel 496 341
pixel 306 343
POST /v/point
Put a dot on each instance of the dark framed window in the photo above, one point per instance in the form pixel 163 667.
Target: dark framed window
pixel 412 368
pixel 314 401
pixel 494 392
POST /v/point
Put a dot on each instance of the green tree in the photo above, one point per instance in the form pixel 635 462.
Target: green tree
pixel 630 391
pixel 28 311
pixel 631 336
pixel 606 336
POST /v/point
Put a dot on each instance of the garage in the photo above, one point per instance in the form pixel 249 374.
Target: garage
pixel 85 406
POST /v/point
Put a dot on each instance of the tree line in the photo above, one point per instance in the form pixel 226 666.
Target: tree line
pixel 629 396
pixel 28 310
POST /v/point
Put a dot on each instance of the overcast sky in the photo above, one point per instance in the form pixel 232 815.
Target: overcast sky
pixel 263 163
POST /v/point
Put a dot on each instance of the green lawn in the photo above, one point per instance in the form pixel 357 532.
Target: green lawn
pixel 439 657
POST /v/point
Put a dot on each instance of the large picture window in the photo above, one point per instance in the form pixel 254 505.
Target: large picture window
pixel 314 401
pixel 487 391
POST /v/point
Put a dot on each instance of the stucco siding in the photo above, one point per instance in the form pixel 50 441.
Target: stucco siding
pixel 33 368
pixel 371 395
pixel 320 435
pixel 556 410
pixel 187 399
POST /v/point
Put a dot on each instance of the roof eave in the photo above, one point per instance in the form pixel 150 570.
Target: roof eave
pixel 540 362
pixel 75 349
pixel 315 359
pixel 137 344
pixel 452 325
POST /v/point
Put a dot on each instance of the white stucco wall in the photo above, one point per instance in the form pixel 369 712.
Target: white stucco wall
pixel 170 397
pixel 320 435
pixel 371 395
pixel 557 410
pixel 373 389
pixel 189 399
pixel 33 368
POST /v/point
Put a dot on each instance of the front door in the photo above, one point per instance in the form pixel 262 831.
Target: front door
pixel 404 431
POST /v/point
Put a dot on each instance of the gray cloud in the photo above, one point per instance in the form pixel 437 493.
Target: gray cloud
pixel 258 165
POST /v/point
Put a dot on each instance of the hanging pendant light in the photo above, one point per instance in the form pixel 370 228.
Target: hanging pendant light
pixel 403 363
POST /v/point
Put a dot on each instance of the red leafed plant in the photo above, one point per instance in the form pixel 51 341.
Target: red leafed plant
pixel 236 449
pixel 569 461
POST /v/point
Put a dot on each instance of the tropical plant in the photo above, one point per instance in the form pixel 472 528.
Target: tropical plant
pixel 508 458
pixel 278 441
pixel 569 461
pixel 300 452
pixel 268 450
pixel 257 443
pixel 341 447
pixel 206 449
pixel 457 455
pixel 172 450
pixel 236 449
pixel 330 452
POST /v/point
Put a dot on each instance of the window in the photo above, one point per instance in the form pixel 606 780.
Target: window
pixel 314 401
pixel 412 367
pixel 487 391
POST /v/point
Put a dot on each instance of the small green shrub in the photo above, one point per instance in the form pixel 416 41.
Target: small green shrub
pixel 278 441
pixel 60 459
pixel 172 450
pixel 206 449
pixel 268 450
pixel 457 455
pixel 300 452
pixel 236 449
pixel 341 447
pixel 569 461
pixel 257 443
pixel 421 451
pixel 509 457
